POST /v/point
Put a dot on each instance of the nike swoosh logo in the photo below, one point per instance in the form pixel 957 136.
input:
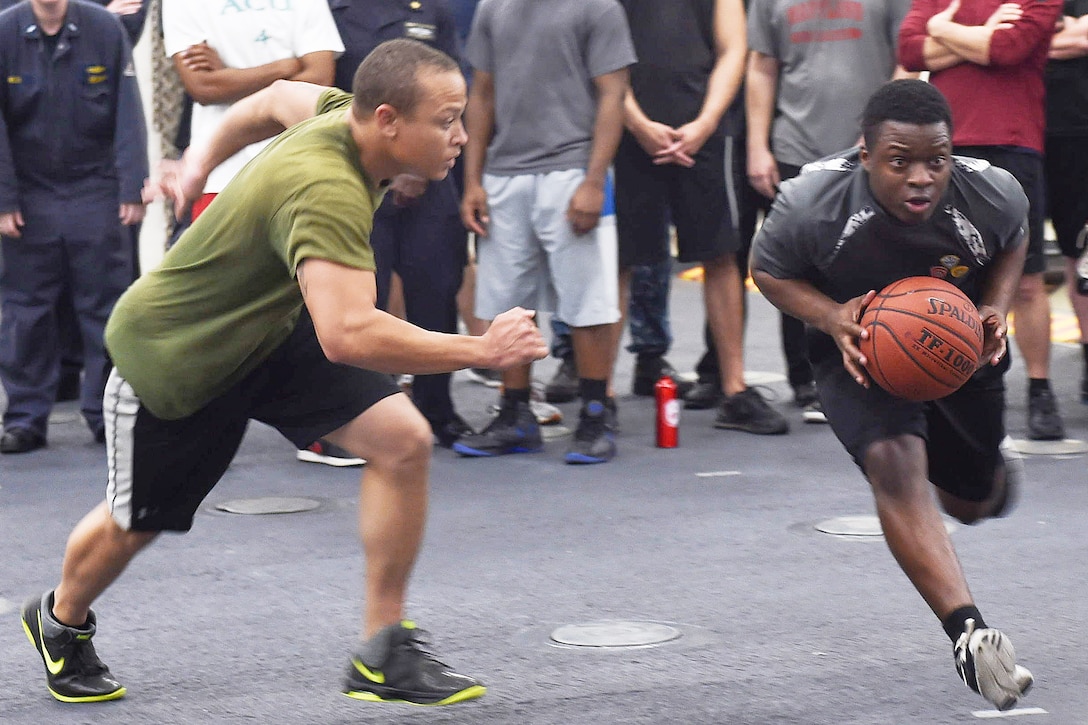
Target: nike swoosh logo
pixel 375 676
pixel 54 666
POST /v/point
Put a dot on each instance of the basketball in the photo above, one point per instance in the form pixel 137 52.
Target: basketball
pixel 925 338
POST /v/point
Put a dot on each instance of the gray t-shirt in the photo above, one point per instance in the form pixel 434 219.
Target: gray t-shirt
pixel 833 56
pixel 544 55
pixel 825 227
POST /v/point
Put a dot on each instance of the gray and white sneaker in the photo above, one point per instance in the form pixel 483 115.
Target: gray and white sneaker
pixel 986 662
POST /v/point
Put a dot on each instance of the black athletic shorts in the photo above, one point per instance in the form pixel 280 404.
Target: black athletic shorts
pixel 1066 165
pixel 1027 166
pixel 159 471
pixel 962 430
pixel 648 197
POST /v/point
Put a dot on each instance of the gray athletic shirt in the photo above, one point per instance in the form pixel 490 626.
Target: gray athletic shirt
pixel 544 55
pixel 834 54
pixel 826 227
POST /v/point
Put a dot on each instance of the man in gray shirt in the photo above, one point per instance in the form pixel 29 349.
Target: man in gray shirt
pixel 544 119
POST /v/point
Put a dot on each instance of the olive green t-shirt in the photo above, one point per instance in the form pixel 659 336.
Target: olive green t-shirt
pixel 226 295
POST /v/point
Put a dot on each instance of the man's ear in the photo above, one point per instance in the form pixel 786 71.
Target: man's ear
pixel 386 117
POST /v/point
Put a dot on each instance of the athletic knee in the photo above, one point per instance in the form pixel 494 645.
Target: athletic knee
pixel 407 441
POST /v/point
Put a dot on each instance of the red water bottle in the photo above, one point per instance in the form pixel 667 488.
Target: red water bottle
pixel 668 413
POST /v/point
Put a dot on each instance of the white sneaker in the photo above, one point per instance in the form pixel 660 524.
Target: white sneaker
pixel 321 451
pixel 986 662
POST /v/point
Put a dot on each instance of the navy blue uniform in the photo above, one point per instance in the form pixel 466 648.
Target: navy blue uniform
pixel 423 242
pixel 73 147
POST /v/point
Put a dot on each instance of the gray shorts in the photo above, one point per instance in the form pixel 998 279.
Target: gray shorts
pixel 532 258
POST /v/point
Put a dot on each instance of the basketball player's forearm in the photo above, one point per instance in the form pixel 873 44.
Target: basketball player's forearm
pixel 387 344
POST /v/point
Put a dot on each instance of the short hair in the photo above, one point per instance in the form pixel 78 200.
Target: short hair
pixel 906 100
pixel 389 74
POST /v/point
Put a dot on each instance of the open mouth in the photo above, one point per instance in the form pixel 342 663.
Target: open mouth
pixel 918 203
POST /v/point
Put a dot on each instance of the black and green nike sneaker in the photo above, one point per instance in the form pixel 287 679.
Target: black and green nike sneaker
pixel 72 669
pixel 394 666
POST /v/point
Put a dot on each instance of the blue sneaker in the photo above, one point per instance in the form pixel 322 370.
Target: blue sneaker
pixel 513 430
pixel 595 437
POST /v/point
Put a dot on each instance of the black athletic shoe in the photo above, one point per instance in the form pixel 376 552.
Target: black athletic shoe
pixel 650 369
pixel 72 669
pixel 563 387
pixel 514 430
pixel 1044 421
pixel 595 438
pixel 394 666
pixel 448 433
pixel 749 412
pixel 986 662
pixel 704 395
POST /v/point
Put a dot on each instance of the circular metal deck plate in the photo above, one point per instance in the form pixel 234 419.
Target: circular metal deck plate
pixel 759 377
pixel 861 526
pixel 268 505
pixel 615 634
pixel 1067 447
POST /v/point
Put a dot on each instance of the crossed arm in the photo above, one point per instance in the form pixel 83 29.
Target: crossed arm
pixel 209 81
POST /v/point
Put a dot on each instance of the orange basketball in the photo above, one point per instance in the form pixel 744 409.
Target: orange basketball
pixel 925 338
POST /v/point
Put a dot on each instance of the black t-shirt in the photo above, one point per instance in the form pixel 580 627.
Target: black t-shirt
pixel 826 227
pixel 1067 87
pixel 674 42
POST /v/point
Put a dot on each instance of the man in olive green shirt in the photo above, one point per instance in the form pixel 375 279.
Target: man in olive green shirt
pixel 265 310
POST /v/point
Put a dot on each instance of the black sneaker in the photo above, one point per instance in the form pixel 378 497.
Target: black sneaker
pixel 454 429
pixel 393 666
pixel 72 669
pixel 513 430
pixel 595 437
pixel 704 395
pixel 986 662
pixel 1044 421
pixel 650 369
pixel 563 387
pixel 749 412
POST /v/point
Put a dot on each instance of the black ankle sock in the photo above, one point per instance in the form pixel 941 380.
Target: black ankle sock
pixel 516 395
pixel 1038 385
pixel 589 389
pixel 955 623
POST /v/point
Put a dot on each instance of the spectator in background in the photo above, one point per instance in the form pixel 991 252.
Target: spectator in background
pixel 544 118
pixel 1066 158
pixel 417 232
pixel 988 59
pixel 73 158
pixel 811 68
pixel 132 14
pixel 227 52
pixel 671 164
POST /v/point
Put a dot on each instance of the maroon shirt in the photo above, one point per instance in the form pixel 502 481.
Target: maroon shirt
pixel 1002 104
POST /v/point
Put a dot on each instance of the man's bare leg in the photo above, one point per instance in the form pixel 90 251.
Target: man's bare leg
pixel 396 441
